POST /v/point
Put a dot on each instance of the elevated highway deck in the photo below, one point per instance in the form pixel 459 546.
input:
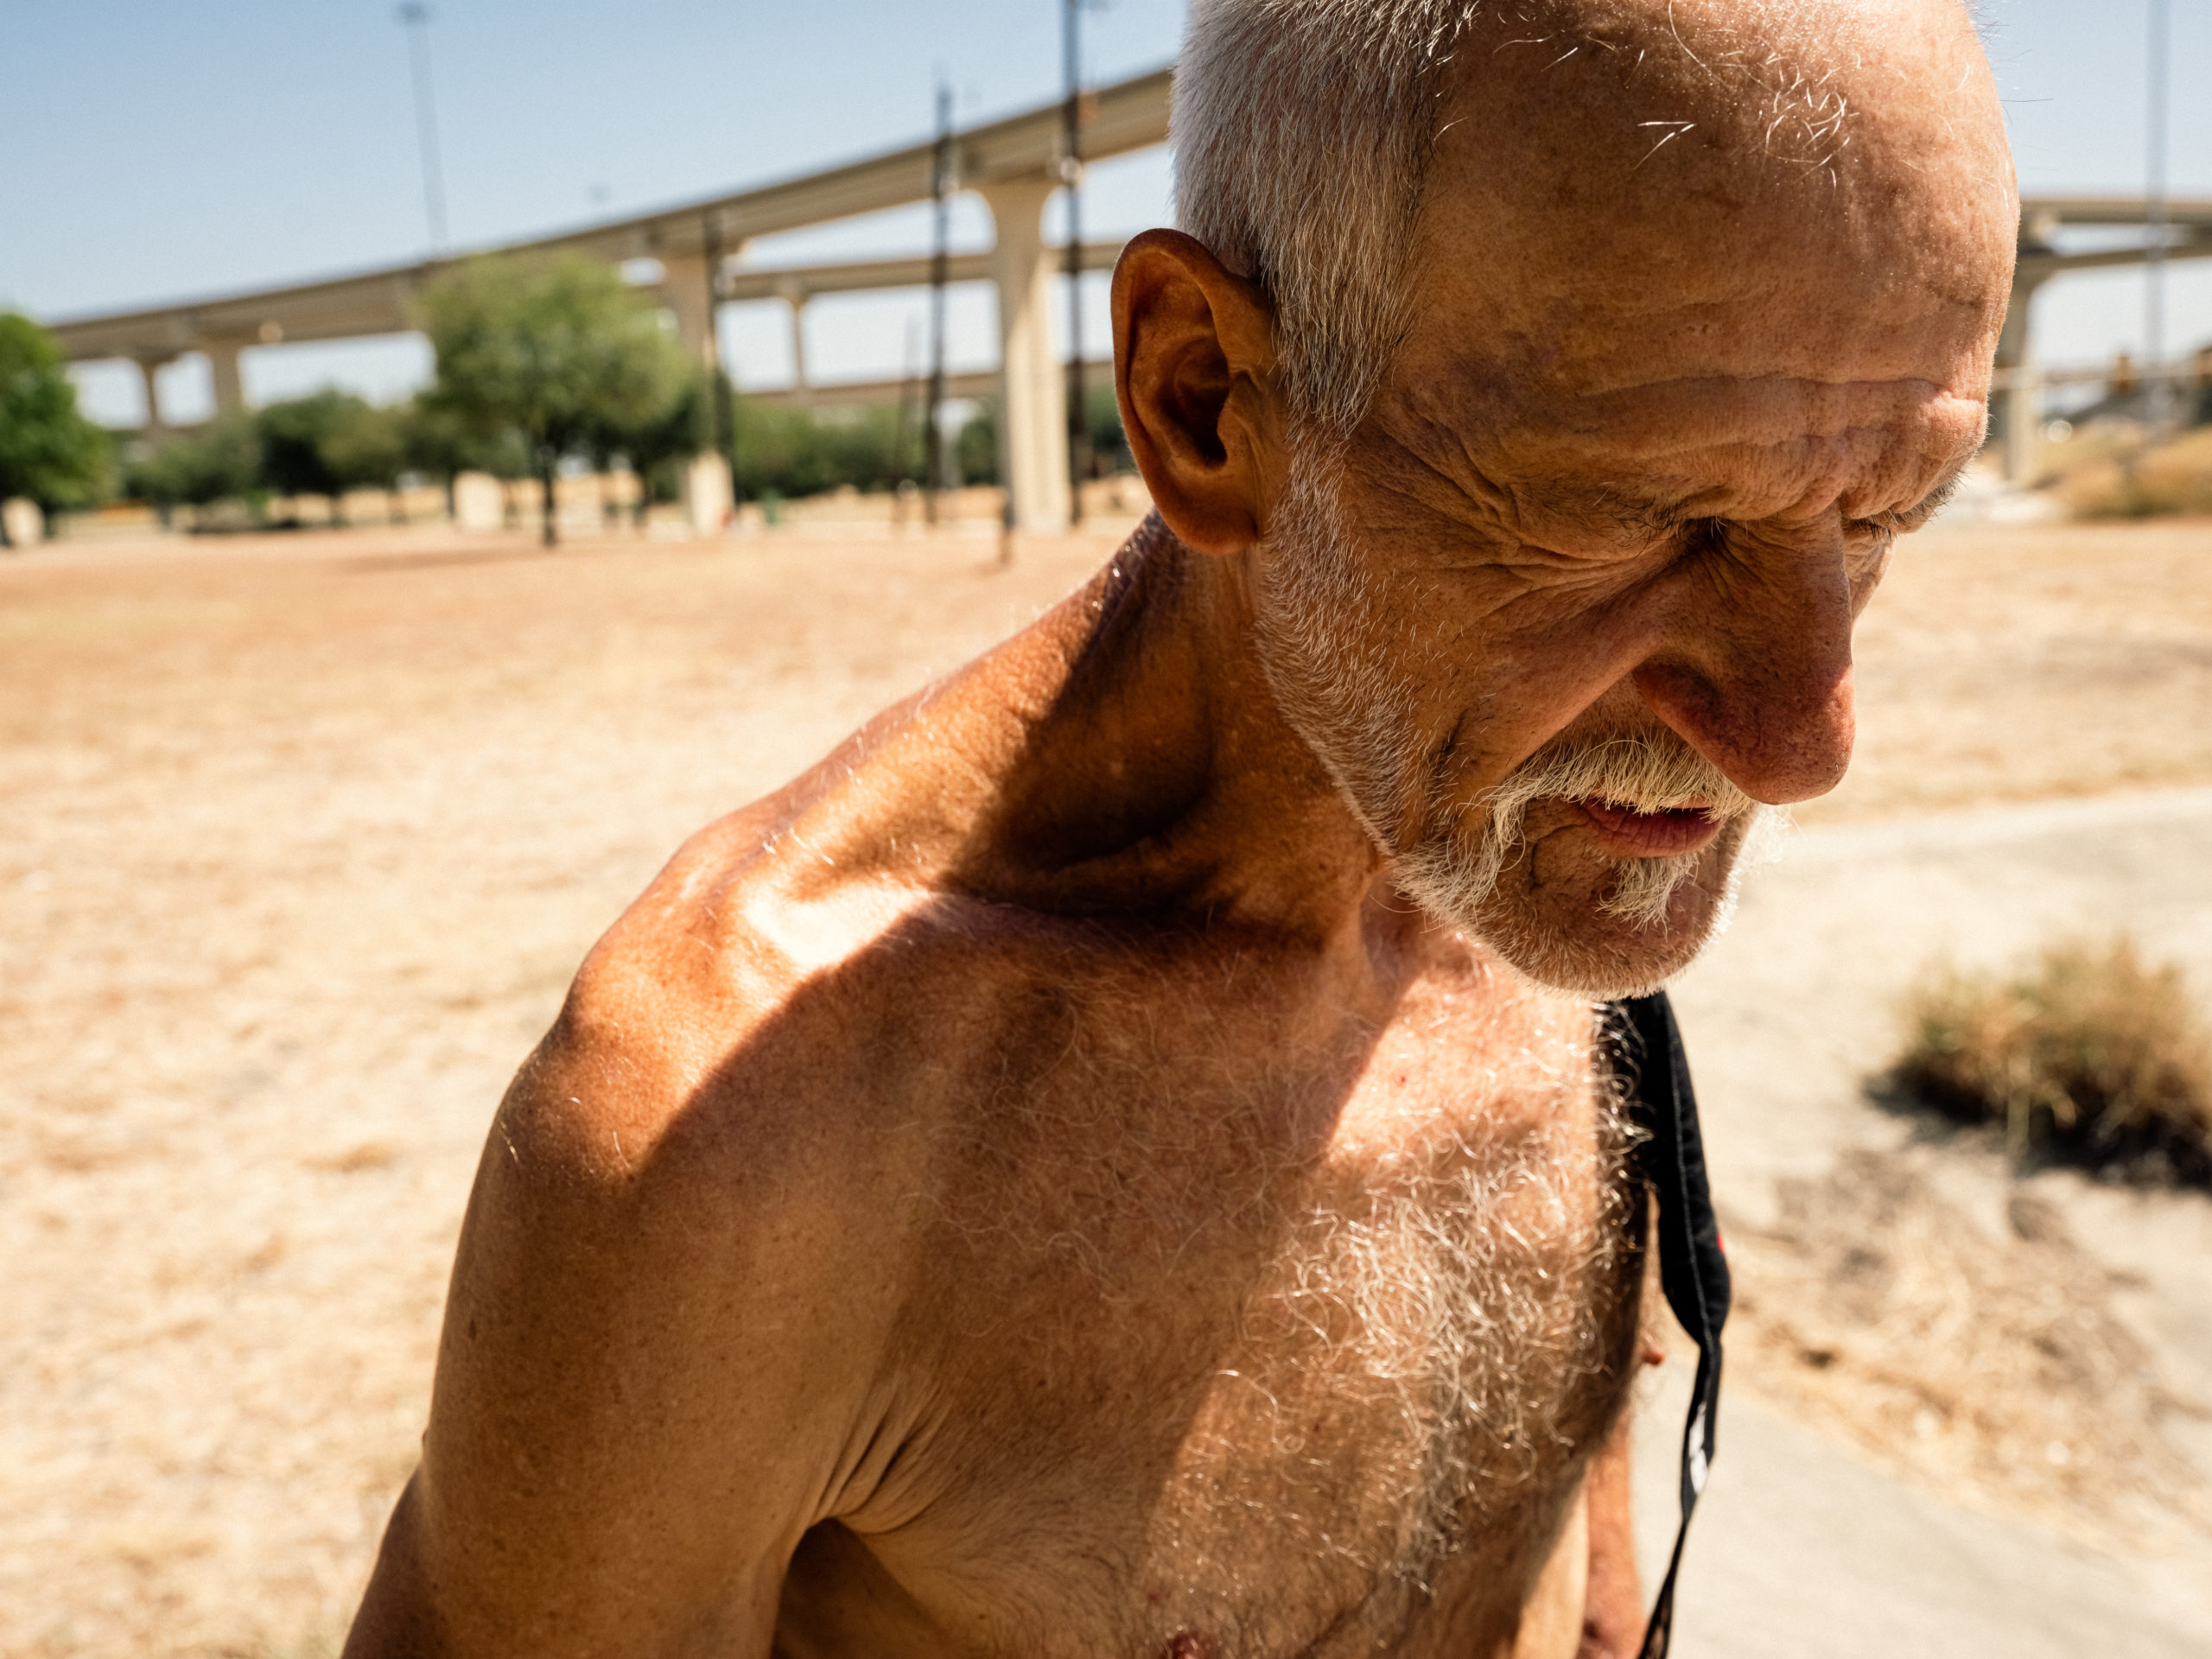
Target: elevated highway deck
pixel 1014 165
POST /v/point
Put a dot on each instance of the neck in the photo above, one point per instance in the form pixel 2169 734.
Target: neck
pixel 1150 770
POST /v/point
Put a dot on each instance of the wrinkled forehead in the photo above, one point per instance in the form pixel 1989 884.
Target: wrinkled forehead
pixel 1713 186
pixel 1777 451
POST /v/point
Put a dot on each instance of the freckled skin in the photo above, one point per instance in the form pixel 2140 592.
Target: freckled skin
pixel 896 1247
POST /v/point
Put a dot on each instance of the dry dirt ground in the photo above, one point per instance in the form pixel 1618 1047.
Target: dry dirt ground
pixel 1969 1411
pixel 300 839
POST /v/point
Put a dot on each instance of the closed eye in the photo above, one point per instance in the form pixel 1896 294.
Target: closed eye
pixel 1904 520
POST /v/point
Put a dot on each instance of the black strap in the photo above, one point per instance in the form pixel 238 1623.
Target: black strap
pixel 1693 1272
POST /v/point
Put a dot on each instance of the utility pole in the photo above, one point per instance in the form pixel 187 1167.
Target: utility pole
pixel 2156 390
pixel 721 419
pixel 941 183
pixel 416 17
pixel 1071 178
pixel 902 441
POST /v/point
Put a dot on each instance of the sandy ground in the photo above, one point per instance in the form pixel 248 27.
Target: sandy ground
pixel 1968 1414
pixel 300 839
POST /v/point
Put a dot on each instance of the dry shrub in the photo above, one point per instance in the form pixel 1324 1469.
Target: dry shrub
pixel 2175 477
pixel 2090 1057
pixel 1980 1365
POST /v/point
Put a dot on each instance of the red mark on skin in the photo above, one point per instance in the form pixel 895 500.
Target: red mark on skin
pixel 1628 833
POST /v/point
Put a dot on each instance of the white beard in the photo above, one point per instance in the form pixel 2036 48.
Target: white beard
pixel 1346 696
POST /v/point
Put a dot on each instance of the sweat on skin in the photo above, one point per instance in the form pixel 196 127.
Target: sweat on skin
pixel 1115 1159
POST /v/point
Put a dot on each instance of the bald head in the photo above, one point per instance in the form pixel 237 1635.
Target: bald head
pixel 1781 88
pixel 1339 153
pixel 1642 154
pixel 1560 373
pixel 1701 223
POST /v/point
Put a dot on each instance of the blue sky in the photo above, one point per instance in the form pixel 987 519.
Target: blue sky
pixel 151 151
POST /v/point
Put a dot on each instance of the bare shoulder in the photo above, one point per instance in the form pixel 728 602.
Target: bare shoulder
pixel 670 1345
pixel 664 1011
pixel 722 1056
pixel 757 1005
pixel 666 1349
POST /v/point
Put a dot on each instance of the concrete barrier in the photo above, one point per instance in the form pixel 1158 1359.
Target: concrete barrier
pixel 708 496
pixel 25 523
pixel 478 502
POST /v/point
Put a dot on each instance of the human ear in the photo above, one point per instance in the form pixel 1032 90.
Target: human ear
pixel 1193 369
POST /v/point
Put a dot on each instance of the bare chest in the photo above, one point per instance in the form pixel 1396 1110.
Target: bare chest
pixel 1240 1347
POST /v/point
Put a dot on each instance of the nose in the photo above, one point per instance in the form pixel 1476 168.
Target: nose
pixel 1754 669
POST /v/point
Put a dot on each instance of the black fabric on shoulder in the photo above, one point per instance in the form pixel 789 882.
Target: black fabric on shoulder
pixel 1693 1270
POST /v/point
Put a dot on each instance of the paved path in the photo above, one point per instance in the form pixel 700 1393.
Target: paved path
pixel 1802 1549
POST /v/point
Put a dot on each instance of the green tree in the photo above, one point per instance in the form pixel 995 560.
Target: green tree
pixel 797 452
pixel 772 451
pixel 558 349
pixel 366 449
pixel 860 447
pixel 48 450
pixel 220 461
pixel 433 443
pixel 1110 445
pixel 297 438
pixel 658 445
pixel 439 444
pixel 975 450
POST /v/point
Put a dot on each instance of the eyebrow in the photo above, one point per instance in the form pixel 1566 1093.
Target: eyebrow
pixel 1626 510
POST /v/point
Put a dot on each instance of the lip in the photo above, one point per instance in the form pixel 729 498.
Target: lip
pixel 1627 833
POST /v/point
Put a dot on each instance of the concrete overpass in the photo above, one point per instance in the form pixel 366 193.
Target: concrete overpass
pixel 1014 165
pixel 2016 400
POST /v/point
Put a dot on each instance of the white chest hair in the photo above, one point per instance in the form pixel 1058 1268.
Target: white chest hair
pixel 1265 1345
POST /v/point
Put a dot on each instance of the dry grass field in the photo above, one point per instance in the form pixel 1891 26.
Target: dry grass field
pixel 301 837
pixel 2021 663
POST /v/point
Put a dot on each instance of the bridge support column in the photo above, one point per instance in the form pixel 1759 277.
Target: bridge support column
pixel 1032 417
pixel 222 369
pixel 149 368
pixel 686 289
pixel 2015 413
pixel 690 284
pixel 796 298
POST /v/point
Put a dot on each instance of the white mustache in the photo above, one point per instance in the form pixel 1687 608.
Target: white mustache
pixel 1641 772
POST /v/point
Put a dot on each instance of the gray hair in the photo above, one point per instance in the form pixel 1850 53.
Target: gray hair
pixel 1302 130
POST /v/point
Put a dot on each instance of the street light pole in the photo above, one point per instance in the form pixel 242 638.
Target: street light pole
pixel 722 421
pixel 2154 214
pixel 934 470
pixel 416 19
pixel 1071 177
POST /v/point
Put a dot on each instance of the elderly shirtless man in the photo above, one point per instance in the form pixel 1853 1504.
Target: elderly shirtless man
pixel 1117 1160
